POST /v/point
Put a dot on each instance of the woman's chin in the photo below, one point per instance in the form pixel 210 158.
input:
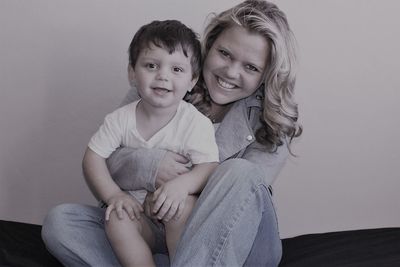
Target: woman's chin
pixel 221 100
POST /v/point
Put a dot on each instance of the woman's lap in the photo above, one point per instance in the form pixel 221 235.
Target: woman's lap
pixel 233 212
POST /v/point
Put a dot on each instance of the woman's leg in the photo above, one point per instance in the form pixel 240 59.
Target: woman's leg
pixel 226 220
pixel 75 235
pixel 266 249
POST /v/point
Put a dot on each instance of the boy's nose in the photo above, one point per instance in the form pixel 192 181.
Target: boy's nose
pixel 162 75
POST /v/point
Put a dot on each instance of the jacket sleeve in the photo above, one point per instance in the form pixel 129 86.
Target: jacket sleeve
pixel 270 162
pixel 134 169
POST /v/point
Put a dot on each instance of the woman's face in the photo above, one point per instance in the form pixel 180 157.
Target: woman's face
pixel 235 65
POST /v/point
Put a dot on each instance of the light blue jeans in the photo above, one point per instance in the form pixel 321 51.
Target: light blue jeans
pixel 233 224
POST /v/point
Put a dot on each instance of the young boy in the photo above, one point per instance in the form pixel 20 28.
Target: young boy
pixel 164 62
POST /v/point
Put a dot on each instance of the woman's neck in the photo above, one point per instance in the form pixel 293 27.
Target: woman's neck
pixel 217 112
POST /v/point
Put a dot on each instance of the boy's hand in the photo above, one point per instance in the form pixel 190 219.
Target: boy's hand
pixel 169 200
pixel 121 202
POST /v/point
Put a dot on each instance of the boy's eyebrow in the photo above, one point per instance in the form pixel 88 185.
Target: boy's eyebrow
pixel 177 63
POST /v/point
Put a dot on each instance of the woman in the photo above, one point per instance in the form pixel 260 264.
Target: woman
pixel 247 91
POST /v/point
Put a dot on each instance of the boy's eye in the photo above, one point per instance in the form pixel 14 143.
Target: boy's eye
pixel 151 66
pixel 178 69
pixel 252 68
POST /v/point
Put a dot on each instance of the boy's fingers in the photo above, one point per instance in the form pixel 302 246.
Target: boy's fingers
pixel 164 209
pixel 120 211
pixel 108 211
pixel 171 212
pixel 180 210
pixel 130 211
pixel 137 210
pixel 159 202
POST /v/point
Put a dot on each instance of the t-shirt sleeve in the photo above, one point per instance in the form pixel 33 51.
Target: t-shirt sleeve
pixel 109 136
pixel 201 144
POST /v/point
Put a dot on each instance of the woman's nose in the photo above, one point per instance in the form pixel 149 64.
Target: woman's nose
pixel 233 70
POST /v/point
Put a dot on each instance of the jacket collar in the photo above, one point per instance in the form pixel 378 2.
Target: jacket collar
pixel 235 132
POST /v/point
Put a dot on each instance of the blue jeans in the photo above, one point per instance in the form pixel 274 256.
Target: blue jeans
pixel 233 224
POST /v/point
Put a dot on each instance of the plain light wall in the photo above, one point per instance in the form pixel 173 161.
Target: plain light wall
pixel 63 68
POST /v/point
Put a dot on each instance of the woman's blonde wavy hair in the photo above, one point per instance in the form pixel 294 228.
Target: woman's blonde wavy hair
pixel 280 111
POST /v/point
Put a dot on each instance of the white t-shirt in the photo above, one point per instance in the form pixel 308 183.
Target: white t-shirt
pixel 188 133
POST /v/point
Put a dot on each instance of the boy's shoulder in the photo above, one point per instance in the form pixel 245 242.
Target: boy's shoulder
pixel 190 112
pixel 126 107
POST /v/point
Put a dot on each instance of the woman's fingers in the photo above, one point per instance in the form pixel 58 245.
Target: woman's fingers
pixel 178 157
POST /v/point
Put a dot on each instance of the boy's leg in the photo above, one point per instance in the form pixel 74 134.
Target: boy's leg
pixel 131 240
pixel 174 228
pixel 75 235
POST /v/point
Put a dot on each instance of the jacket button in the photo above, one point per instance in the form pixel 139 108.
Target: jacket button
pixel 249 138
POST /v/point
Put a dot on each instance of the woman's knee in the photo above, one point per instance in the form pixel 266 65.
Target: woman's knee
pixel 239 171
pixel 55 224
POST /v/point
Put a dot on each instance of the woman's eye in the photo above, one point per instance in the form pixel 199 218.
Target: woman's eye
pixel 224 53
pixel 177 69
pixel 252 68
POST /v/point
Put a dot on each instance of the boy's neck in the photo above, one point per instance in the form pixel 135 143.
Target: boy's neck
pixel 149 119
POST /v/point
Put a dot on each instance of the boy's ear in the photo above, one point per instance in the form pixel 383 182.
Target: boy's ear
pixel 193 83
pixel 131 75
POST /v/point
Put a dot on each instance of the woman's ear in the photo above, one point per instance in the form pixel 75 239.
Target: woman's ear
pixel 193 83
pixel 131 75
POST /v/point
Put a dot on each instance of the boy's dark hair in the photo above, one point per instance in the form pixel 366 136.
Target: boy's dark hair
pixel 167 34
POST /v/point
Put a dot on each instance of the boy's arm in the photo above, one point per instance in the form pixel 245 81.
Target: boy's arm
pixel 104 188
pixel 195 180
pixel 98 177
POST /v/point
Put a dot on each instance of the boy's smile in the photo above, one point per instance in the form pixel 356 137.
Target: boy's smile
pixel 163 78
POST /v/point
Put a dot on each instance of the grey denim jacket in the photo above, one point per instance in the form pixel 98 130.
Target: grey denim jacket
pixel 134 169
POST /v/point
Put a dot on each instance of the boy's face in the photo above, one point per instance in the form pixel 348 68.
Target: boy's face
pixel 162 79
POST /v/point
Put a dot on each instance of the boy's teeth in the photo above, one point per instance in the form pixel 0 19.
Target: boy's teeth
pixel 225 84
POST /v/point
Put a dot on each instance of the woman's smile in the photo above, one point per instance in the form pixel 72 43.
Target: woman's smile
pixel 224 84
pixel 235 65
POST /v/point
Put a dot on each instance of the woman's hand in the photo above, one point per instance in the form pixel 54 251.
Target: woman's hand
pixel 171 166
pixel 123 202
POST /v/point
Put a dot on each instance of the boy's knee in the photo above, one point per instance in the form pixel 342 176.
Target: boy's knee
pixel 122 224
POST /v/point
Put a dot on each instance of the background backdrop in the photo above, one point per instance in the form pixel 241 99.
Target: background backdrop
pixel 63 68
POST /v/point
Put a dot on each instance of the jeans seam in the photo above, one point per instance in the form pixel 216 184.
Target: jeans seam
pixel 221 245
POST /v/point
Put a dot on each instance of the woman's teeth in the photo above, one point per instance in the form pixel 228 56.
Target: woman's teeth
pixel 225 84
